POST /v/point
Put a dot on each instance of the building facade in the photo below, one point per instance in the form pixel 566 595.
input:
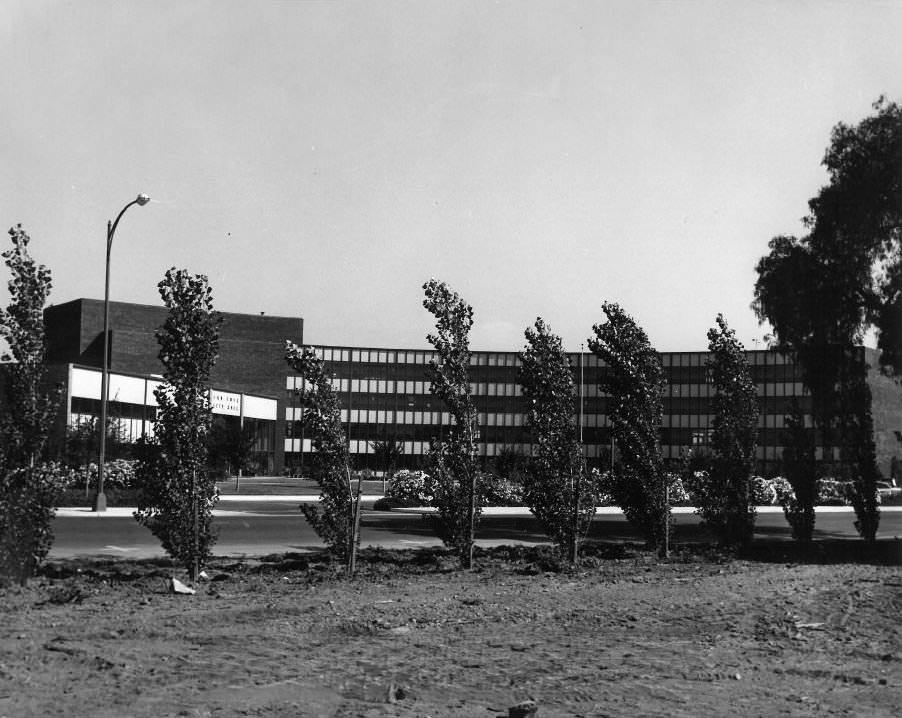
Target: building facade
pixel 385 393
pixel 385 397
pixel 251 364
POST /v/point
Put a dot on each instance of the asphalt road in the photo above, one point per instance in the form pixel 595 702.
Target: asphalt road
pixel 258 526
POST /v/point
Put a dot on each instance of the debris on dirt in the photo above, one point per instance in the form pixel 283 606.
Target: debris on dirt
pixel 395 693
pixel 179 587
pixel 66 593
pixel 58 645
pixel 524 709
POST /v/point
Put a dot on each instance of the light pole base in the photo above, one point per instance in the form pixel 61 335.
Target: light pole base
pixel 99 502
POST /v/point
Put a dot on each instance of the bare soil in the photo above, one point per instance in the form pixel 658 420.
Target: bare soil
pixel 413 636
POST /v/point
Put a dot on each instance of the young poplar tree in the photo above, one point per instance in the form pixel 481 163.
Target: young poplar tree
pixel 555 484
pixel 726 499
pixel 801 469
pixel 29 488
pixel 177 493
pixel 336 519
pixel 634 381
pixel 453 459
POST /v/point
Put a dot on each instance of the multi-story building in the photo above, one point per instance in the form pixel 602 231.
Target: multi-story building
pixel 385 392
pixel 385 397
pixel 248 376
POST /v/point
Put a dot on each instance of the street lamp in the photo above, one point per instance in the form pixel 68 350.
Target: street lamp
pixel 100 498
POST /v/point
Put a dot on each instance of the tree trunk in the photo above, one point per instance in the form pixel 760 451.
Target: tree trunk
pixel 574 528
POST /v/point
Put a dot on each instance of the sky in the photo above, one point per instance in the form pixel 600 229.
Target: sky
pixel 325 159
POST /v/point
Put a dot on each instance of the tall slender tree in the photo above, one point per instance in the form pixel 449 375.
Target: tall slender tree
pixel 452 459
pixel 177 493
pixel 336 518
pixel 634 381
pixel 727 503
pixel 555 484
pixel 29 488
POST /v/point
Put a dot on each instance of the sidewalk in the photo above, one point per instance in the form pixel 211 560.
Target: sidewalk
pixel 122 511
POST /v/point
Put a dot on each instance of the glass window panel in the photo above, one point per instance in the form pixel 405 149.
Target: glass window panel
pixel 493 360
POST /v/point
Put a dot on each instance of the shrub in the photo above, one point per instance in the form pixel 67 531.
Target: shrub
pixel 678 494
pixel 410 488
pixel 783 489
pixel 118 474
pixel 498 491
pixel 693 482
pixel 763 492
pixel 831 492
pixel 28 499
pixel 603 482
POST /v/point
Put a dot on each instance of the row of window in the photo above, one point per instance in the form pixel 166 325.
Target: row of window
pixel 397 356
pixel 420 448
pixel 414 388
pixel 444 418
pixel 128 430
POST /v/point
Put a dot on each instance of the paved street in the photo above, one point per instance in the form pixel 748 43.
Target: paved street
pixel 258 525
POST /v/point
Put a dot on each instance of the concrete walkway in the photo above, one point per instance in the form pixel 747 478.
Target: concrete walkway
pixel 120 511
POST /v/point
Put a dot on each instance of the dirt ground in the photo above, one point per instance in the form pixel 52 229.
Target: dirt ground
pixel 412 636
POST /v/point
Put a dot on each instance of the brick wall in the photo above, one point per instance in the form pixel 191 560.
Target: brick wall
pixel 251 347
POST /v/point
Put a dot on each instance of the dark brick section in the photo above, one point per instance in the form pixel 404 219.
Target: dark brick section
pixel 251 347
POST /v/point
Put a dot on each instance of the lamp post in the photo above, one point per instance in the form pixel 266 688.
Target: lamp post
pixel 100 498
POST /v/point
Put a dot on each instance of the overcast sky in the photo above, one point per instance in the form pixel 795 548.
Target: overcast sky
pixel 324 159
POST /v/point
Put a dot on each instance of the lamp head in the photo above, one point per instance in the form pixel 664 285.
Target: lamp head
pixel 142 199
